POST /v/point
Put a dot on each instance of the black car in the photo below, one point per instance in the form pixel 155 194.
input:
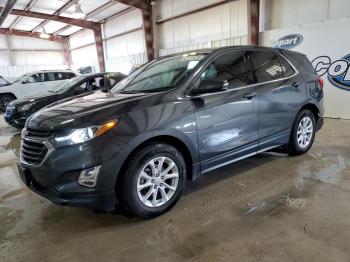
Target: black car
pixel 173 119
pixel 19 110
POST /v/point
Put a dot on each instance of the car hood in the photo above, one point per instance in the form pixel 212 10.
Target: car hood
pixel 34 99
pixel 81 111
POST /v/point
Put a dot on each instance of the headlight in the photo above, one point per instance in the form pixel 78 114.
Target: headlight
pixel 24 107
pixel 82 135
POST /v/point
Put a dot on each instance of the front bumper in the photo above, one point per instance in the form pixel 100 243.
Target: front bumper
pixel 15 118
pixel 56 179
pixel 16 122
pixel 102 201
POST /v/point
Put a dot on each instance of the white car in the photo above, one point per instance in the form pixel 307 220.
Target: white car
pixel 32 84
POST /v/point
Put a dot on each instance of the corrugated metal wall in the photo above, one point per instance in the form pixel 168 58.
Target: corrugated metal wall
pixel 124 44
pixel 20 55
pixel 279 14
pixel 218 26
pixel 13 72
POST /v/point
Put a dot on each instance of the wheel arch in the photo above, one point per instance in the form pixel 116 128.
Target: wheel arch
pixel 185 147
pixel 313 108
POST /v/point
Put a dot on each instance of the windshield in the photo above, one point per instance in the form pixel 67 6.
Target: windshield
pixel 21 78
pixel 160 75
pixel 66 85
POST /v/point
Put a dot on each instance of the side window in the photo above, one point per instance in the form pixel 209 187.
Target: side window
pixel 68 75
pixel 58 76
pixel 91 84
pixel 263 66
pixel 286 67
pixel 51 76
pixel 36 78
pixel 230 68
pixel 44 77
pixel 112 80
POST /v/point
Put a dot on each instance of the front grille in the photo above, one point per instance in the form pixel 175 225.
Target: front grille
pixel 42 134
pixel 34 145
pixel 33 152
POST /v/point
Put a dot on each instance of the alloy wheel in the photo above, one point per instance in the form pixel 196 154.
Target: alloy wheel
pixel 157 181
pixel 305 132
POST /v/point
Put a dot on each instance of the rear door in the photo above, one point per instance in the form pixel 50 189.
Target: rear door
pixel 227 121
pixel 279 93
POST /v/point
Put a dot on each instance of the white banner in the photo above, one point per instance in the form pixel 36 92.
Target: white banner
pixel 327 44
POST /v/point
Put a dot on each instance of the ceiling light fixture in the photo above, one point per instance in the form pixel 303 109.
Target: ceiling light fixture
pixel 78 12
pixel 44 34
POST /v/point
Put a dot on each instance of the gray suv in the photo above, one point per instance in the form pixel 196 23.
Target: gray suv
pixel 171 120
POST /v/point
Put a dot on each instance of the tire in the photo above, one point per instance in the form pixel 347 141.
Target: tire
pixel 5 100
pixel 301 139
pixel 141 181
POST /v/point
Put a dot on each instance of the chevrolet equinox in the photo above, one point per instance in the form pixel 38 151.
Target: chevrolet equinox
pixel 171 120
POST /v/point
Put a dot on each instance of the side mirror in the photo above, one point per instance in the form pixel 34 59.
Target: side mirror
pixel 105 89
pixel 209 86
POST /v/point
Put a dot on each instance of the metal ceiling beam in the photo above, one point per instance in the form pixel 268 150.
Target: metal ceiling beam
pixel 193 11
pixel 66 20
pixel 4 31
pixel 62 29
pixel 133 3
pixel 6 10
pixel 18 18
pixel 253 21
pixel 64 8
pixel 89 15
pixel 125 11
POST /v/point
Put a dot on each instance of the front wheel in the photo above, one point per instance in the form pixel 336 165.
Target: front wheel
pixel 303 133
pixel 154 180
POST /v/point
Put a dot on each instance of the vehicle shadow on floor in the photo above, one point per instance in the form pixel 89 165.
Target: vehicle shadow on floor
pixel 232 170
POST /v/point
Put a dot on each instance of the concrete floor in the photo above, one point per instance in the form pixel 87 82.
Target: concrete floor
pixel 266 208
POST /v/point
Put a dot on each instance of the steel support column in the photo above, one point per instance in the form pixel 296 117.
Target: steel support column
pixel 253 21
pixel 99 47
pixel 146 9
pixel 67 54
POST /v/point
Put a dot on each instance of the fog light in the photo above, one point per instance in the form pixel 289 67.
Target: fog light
pixel 88 177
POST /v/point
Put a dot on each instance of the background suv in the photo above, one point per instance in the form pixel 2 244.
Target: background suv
pixel 32 84
pixel 172 119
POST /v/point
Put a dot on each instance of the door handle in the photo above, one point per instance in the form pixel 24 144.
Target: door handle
pixel 250 95
pixel 295 84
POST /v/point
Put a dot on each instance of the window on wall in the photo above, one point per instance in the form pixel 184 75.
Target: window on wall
pixel 230 68
pixel 263 66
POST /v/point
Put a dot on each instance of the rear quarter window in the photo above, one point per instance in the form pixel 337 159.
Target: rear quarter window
pixel 287 69
pixel 300 61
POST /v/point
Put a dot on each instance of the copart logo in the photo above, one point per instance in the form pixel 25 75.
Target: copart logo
pixel 288 41
pixel 338 71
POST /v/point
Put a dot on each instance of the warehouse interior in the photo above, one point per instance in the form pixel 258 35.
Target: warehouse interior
pixel 268 207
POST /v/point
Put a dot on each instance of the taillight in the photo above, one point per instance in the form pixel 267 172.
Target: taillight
pixel 321 82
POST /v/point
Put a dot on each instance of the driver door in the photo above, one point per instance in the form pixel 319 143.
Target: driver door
pixel 228 120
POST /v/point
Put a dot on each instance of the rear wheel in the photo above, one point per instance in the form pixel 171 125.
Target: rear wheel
pixel 303 133
pixel 5 100
pixel 153 181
